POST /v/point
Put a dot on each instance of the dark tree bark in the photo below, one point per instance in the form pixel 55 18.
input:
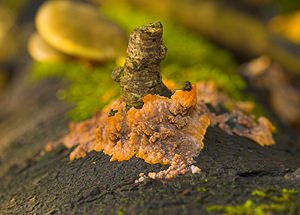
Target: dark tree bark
pixel 141 73
pixel 232 167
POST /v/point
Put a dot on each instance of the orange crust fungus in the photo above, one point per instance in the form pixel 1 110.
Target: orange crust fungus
pixel 236 121
pixel 155 124
pixel 165 131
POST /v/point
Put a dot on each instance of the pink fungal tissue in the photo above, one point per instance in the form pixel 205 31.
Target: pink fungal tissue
pixel 168 131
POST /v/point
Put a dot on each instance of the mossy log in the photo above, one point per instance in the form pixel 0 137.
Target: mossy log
pixel 31 183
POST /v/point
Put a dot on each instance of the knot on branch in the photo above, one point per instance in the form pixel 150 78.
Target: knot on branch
pixel 141 73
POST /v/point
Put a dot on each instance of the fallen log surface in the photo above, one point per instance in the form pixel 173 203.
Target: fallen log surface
pixel 232 167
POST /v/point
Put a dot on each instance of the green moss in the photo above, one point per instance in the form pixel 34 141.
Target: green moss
pixel 120 211
pixel 286 195
pixel 282 5
pixel 14 5
pixel 287 5
pixel 266 202
pixel 201 189
pixel 245 209
pixel 205 180
pixel 89 88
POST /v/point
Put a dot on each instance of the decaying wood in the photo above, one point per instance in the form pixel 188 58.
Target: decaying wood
pixel 141 73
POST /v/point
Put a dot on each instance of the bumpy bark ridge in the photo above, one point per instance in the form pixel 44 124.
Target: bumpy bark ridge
pixel 141 73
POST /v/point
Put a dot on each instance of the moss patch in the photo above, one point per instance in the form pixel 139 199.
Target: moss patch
pixel 89 88
pixel 266 202
pixel 287 5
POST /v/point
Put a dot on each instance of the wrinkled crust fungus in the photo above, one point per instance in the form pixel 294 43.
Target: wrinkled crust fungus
pixel 235 121
pixel 159 127
pixel 165 131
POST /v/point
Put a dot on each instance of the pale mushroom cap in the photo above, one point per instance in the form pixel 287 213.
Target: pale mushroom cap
pixel 79 29
pixel 41 51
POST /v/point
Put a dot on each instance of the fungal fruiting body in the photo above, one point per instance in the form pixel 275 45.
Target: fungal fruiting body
pixel 164 130
pixel 155 124
pixel 236 121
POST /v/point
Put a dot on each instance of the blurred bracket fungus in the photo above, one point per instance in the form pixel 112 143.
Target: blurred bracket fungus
pixel 42 52
pixel 284 95
pixel 68 28
pixel 158 125
pixel 287 25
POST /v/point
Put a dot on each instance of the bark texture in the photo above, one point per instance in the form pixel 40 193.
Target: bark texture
pixel 232 167
pixel 141 73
